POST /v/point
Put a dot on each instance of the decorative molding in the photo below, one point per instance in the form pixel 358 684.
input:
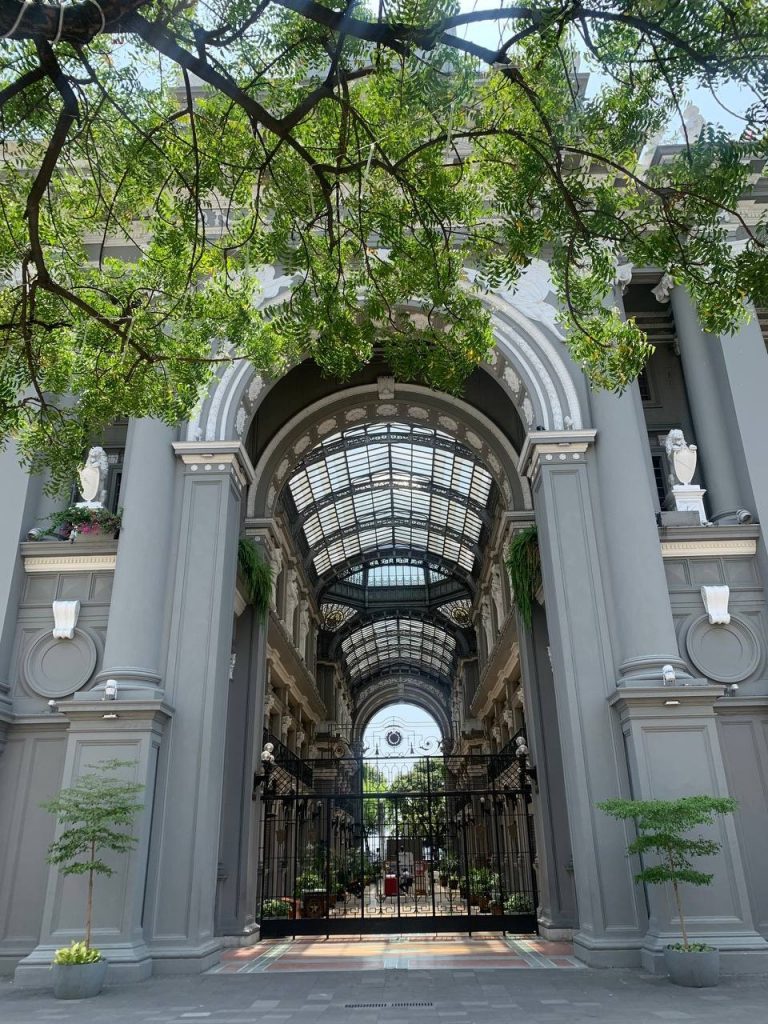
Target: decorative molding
pixel 726 653
pixel 70 563
pixel 217 455
pixel 553 446
pixel 716 604
pixel 55 669
pixel 707 548
pixel 65 615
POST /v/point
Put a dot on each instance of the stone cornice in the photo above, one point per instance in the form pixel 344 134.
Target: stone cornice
pixel 552 446
pixel 746 705
pixel 61 556
pixel 626 698
pixel 217 454
pixel 708 541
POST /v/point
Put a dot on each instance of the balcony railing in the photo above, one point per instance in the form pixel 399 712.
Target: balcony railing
pixel 287 760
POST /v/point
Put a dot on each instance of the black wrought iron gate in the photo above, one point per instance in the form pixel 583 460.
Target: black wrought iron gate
pixel 415 844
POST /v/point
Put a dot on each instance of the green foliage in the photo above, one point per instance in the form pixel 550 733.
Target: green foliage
pixel 94 816
pixel 308 881
pixel 84 519
pixel 483 881
pixel 523 564
pixel 76 953
pixel 276 908
pixel 662 827
pixel 518 903
pixel 258 574
pixel 390 192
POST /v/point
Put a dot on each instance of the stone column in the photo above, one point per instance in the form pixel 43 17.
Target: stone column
pixel 134 648
pixel 240 817
pixel 18 508
pixel 554 868
pixel 644 633
pixel 745 358
pixel 128 730
pixel 674 750
pixel 610 909
pixel 702 368
pixel 743 730
pixel 184 855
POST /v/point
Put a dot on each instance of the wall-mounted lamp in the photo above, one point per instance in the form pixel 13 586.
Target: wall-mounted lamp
pixel 111 714
pixel 671 703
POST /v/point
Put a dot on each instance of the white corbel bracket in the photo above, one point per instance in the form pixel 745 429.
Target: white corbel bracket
pixel 65 615
pixel 716 604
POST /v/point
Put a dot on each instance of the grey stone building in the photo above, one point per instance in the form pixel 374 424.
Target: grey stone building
pixel 385 510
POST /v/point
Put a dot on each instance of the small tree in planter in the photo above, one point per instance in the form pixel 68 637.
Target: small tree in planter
pixel 96 814
pixel 663 827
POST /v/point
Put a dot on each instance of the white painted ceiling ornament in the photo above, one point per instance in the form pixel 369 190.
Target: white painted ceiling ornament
pixel 493 357
pixel 662 290
pixel 474 440
pixel 240 421
pixel 302 444
pixel 283 468
pixel 255 388
pixel 512 380
pixel 326 427
pixel 417 412
pixel 353 415
pixel 528 411
pixel 448 424
pixel 386 410
pixel 271 495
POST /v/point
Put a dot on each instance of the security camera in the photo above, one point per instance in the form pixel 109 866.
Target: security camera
pixel 733 689
pixel 34 534
pixel 110 689
pixel 52 705
pixel 668 675
pixel 743 516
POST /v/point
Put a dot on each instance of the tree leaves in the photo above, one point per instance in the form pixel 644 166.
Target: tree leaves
pixel 372 155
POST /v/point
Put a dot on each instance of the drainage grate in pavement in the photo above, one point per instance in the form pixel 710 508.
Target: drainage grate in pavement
pixel 383 1006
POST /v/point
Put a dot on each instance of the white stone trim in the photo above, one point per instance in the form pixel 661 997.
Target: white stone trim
pixel 69 563
pixel 707 548
pixel 217 455
pixel 553 446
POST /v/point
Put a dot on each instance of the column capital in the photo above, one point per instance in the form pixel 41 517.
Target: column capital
pixel 218 455
pixel 553 446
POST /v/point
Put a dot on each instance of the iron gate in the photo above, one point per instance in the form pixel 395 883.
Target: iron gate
pixel 413 844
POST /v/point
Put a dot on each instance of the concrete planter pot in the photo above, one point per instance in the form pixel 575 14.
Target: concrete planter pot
pixel 693 969
pixel 78 981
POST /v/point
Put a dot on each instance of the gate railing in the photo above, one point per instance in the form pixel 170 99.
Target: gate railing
pixel 409 844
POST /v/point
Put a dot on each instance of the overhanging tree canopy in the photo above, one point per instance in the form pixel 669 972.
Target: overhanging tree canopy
pixel 157 154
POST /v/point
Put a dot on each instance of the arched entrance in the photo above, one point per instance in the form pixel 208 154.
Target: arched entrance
pixel 388 511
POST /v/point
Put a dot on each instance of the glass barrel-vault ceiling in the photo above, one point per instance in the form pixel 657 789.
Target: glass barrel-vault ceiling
pixel 386 511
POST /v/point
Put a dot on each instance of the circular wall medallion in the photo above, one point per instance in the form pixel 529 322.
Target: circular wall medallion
pixel 394 737
pixel 724 653
pixel 56 668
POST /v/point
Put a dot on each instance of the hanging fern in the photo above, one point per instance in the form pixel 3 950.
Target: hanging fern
pixel 524 568
pixel 258 576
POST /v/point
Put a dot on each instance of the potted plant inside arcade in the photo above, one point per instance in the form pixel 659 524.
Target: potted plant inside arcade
pixel 95 816
pixel 663 828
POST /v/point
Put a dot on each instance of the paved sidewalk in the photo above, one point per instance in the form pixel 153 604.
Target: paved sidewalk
pixel 490 996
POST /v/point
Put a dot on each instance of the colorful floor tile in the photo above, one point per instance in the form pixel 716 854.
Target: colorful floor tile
pixel 398 952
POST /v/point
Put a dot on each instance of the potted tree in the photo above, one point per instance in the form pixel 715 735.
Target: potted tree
pixel 662 830
pixel 95 816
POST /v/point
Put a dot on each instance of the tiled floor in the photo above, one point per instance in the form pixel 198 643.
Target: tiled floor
pixel 398 952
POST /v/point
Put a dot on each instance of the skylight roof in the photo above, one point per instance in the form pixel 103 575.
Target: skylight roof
pixel 394 487
pixel 398 641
